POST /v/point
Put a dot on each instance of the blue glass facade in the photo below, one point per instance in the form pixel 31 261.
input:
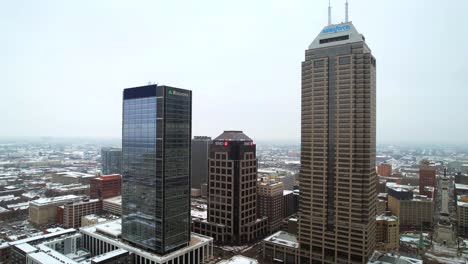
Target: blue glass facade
pixel 111 161
pixel 156 138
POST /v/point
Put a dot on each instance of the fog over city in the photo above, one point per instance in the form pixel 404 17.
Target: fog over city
pixel 64 65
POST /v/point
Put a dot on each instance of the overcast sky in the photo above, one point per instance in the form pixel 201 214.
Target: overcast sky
pixel 64 64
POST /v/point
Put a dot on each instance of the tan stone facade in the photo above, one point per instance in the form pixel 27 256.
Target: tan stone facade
pixel 232 191
pixel 44 211
pixel 337 177
pixel 462 215
pixel 381 206
pixel 113 205
pixel 387 232
pixel 270 203
pixel 73 212
pixel 413 212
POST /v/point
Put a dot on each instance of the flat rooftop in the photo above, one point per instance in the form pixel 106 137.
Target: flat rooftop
pixel 108 177
pixel 239 260
pixel 385 217
pixel 75 174
pixel 284 239
pixel 392 258
pixel 421 198
pixel 399 187
pixel 107 230
pixel 26 248
pixel 45 236
pixel 58 199
pixel 109 255
pixel 9 198
pixel 74 186
pixel 270 183
pixel 459 186
pixel 20 206
pixel 111 228
pixel 42 257
pixel 115 200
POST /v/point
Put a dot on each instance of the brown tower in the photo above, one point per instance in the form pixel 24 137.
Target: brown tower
pixel 427 178
pixel 232 191
pixel 337 177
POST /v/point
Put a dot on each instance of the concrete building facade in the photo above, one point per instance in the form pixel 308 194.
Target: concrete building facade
pixel 412 212
pixel 337 178
pixel 281 246
pixel 462 215
pixel 74 211
pixel 113 205
pixel 106 237
pixel 270 203
pixel 43 211
pixel 387 232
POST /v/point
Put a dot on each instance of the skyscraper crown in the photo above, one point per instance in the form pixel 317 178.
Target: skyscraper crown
pixel 336 34
pixel 232 135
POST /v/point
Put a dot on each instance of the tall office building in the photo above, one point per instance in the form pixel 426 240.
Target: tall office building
pixel 111 161
pixel 337 176
pixel 156 167
pixel 270 203
pixel 232 191
pixel 200 154
pixel 427 178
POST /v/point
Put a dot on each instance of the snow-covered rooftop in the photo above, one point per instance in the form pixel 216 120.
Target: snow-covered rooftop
pixel 58 199
pixel 284 239
pixel 239 260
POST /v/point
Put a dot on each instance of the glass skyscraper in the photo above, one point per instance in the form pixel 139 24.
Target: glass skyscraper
pixel 111 161
pixel 156 136
pixel 200 154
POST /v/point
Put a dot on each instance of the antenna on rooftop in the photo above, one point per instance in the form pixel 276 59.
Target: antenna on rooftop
pixel 346 14
pixel 329 13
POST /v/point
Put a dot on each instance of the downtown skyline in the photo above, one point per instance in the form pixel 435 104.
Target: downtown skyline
pixel 74 85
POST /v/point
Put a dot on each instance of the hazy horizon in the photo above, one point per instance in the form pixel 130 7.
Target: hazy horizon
pixel 116 141
pixel 64 65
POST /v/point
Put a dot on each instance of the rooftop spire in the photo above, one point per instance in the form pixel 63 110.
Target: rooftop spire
pixel 329 13
pixel 346 14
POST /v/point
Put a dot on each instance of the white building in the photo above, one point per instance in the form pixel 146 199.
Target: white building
pixel 105 237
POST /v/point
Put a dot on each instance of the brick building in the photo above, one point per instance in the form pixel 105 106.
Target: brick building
pixel 427 177
pixel 106 186
pixel 384 169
